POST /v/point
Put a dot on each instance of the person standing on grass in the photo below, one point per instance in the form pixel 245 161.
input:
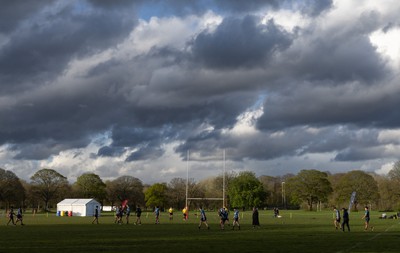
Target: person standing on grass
pixel 138 214
pixel 96 215
pixel 203 218
pixel 185 213
pixel 366 217
pixel 256 221
pixel 127 213
pixel 19 216
pixel 235 219
pixel 336 221
pixel 121 214
pixel 157 214
pixel 227 216
pixel 346 219
pixel 224 216
pixel 116 215
pixel 11 216
pixel 171 213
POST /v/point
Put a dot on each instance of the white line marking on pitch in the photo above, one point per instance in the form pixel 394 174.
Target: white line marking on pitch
pixel 370 239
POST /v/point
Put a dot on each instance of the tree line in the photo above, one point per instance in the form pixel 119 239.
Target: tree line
pixel 307 189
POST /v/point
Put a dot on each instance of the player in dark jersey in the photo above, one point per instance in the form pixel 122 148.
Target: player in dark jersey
pixel 11 216
pixel 223 214
pixel 203 218
pixel 96 215
pixel 346 219
pixel 19 216
pixel 366 217
pixel 138 214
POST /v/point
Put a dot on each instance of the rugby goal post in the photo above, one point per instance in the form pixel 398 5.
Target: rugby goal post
pixel 187 183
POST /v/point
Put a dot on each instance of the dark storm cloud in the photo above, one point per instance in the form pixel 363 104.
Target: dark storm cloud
pixel 145 153
pixel 42 51
pixel 226 7
pixel 193 96
pixel 13 12
pixel 360 105
pixel 246 6
pixel 45 148
pixel 205 143
pixel 261 146
pixel 162 8
pixel 240 43
pixel 341 59
pixel 350 144
pixel 360 154
pixel 110 151
pixel 121 4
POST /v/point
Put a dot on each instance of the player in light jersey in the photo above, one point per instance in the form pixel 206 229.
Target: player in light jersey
pixel 157 214
pixel 336 221
pixel 235 219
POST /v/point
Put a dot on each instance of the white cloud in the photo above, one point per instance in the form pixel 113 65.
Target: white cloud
pixel 246 122
pixel 387 44
pixel 171 31
pixel 385 168
pixel 287 19
pixel 389 136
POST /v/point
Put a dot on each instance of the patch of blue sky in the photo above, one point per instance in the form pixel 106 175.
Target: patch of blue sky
pixel 81 7
pixel 163 9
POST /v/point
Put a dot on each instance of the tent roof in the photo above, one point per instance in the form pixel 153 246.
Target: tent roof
pixel 76 201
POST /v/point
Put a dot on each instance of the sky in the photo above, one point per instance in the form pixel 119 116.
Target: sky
pixel 131 87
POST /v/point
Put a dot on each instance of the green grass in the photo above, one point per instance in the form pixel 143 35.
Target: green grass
pixel 296 231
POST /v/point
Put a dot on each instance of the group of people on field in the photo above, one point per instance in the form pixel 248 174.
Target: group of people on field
pixel 346 219
pixel 11 216
pixel 341 219
pixel 125 211
pixel 224 218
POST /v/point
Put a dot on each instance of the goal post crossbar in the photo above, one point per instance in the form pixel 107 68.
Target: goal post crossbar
pixel 205 198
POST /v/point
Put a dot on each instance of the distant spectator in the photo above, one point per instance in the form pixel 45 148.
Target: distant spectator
pixel 96 215
pixel 256 221
pixel 346 219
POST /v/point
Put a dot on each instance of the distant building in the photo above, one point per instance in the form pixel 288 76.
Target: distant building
pixel 78 207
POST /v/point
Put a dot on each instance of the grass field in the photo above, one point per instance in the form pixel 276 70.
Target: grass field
pixel 296 231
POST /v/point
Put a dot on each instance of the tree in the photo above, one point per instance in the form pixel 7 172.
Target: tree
pixel 246 190
pixel 90 185
pixel 125 187
pixel 388 195
pixel 394 173
pixel 273 189
pixel 48 184
pixel 156 195
pixel 11 189
pixel 360 182
pixel 177 192
pixel 389 189
pixel 310 186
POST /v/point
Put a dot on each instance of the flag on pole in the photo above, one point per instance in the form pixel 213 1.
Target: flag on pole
pixel 123 203
pixel 352 200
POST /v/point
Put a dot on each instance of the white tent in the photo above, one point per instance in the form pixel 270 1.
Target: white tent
pixel 79 207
